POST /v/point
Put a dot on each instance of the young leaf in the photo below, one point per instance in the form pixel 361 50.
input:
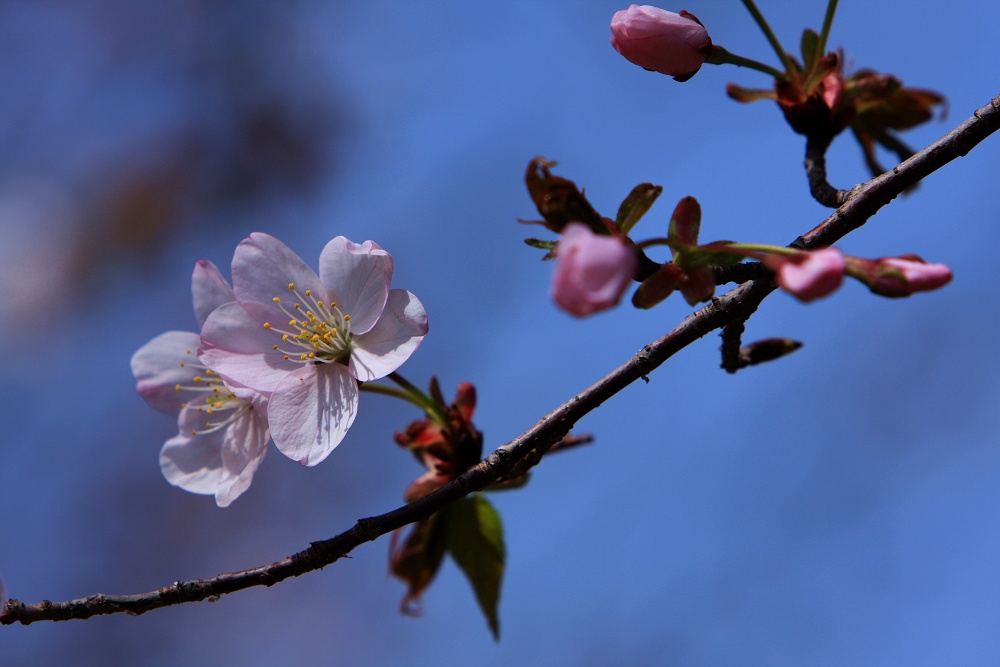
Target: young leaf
pixel 810 48
pixel 418 559
pixel 658 286
pixel 475 541
pixel 559 200
pixel 635 206
pixel 539 243
pixel 685 222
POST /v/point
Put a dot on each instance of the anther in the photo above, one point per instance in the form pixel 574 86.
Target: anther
pixel 267 325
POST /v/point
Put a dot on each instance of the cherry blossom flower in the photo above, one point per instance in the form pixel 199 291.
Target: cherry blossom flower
pixel 592 270
pixel 809 275
pixel 662 41
pixel 306 340
pixel 223 433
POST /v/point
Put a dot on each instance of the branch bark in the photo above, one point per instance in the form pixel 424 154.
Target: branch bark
pixel 524 451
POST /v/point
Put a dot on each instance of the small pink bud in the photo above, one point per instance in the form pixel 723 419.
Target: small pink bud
pixel 900 276
pixel 592 270
pixel 809 275
pixel 658 40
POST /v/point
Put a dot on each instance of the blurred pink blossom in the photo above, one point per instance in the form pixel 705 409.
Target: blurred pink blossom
pixel 592 270
pixel 809 275
pixel 662 41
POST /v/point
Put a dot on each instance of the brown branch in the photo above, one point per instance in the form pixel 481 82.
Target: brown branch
pixel 867 199
pixel 736 306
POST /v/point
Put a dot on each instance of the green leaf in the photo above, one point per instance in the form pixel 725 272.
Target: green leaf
pixel 475 541
pixel 810 48
pixel 539 243
pixel 636 205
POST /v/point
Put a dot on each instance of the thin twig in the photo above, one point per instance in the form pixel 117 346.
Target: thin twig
pixel 821 190
pixel 735 306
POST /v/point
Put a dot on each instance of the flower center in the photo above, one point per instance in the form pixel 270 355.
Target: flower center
pixel 317 331
pixel 209 395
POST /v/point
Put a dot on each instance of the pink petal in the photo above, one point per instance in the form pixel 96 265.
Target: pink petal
pixel 263 267
pixel 359 276
pixel 311 410
pixel 393 338
pixel 209 290
pixel 157 369
pixel 236 345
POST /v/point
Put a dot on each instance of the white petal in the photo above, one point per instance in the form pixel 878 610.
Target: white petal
pixel 209 290
pixel 243 448
pixel 310 411
pixel 157 367
pixel 263 267
pixel 193 462
pixel 359 277
pixel 392 340
pixel 234 344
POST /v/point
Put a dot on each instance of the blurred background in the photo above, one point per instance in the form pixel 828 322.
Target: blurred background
pixel 840 506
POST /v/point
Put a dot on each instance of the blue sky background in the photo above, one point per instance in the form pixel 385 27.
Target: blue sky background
pixel 840 506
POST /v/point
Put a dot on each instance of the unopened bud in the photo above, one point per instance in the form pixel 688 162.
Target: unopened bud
pixel 662 41
pixel 899 276
pixel 809 275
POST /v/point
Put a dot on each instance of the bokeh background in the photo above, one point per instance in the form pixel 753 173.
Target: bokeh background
pixel 837 507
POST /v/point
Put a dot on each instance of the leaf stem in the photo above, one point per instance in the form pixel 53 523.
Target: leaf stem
pixel 771 37
pixel 418 397
pixel 721 56
pixel 831 9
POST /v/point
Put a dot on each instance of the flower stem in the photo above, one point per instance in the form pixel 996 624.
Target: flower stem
pixel 831 9
pixel 763 248
pixel 771 37
pixel 721 56
pixel 419 398
pixel 390 391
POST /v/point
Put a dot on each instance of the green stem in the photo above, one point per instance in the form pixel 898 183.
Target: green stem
pixel 763 248
pixel 418 397
pixel 390 391
pixel 775 44
pixel 720 56
pixel 831 9
pixel 652 242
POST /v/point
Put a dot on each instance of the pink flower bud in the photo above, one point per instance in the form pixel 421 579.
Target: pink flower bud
pixel 809 275
pixel 658 40
pixel 592 270
pixel 900 276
